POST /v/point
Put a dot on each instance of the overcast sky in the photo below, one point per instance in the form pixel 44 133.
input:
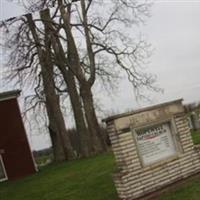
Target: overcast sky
pixel 174 32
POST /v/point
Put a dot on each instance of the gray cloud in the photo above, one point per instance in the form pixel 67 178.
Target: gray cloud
pixel 9 9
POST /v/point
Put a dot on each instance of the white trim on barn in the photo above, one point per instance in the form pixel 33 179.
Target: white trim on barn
pixel 4 170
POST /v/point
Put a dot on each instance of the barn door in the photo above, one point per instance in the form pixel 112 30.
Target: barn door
pixel 3 175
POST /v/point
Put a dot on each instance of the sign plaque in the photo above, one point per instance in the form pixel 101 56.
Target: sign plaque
pixel 155 143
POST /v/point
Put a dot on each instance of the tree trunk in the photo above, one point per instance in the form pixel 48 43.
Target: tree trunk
pixel 68 76
pixel 58 152
pixel 85 143
pixel 54 111
pixel 99 144
pixel 85 86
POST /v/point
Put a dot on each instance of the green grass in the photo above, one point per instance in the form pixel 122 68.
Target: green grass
pixel 88 179
pixel 188 191
pixel 196 137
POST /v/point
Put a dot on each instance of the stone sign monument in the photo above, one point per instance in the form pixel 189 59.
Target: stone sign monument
pixel 153 148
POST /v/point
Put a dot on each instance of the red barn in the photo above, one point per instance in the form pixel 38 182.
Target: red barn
pixel 16 159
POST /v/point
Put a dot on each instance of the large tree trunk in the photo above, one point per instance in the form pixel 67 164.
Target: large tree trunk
pixel 54 108
pixel 58 151
pixel 52 100
pixel 99 143
pixel 85 85
pixel 85 143
pixel 68 76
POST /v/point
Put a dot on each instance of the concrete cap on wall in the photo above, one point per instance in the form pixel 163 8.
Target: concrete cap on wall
pixel 140 110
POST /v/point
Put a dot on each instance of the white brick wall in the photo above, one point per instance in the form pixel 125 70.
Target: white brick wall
pixel 133 180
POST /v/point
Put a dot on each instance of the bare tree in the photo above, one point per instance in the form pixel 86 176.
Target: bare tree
pixel 52 101
pixel 92 38
pixel 32 60
pixel 103 38
pixel 60 61
pixel 86 146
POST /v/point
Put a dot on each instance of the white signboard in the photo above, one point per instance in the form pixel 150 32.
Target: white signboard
pixel 155 143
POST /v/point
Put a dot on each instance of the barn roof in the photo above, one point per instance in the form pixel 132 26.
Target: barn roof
pixel 9 95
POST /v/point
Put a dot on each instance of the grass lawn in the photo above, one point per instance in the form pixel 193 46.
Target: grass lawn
pixel 196 136
pixel 190 190
pixel 88 179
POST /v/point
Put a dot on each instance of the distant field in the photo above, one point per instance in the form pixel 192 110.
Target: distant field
pixel 88 179
pixel 44 159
